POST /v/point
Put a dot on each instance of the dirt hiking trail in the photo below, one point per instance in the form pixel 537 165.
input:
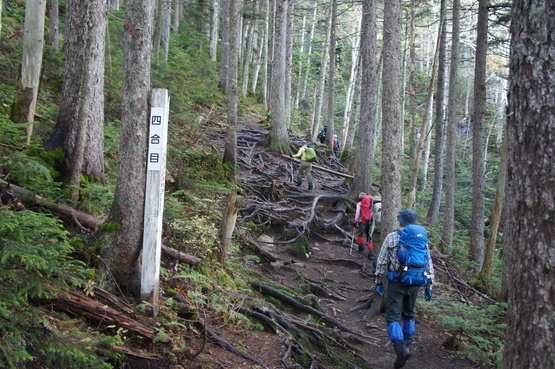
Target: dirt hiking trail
pixel 335 277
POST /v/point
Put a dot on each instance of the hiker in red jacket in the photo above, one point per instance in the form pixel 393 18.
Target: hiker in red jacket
pixel 336 146
pixel 364 218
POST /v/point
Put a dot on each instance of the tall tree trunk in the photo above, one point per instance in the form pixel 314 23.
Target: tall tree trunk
pixel 317 111
pixel 214 29
pixel 87 155
pixel 355 64
pixel 478 144
pixel 79 129
pixel 128 207
pixel 156 39
pixel 364 154
pixel 413 180
pixel 25 101
pixel 266 55
pixel 309 52
pixel 495 220
pixel 54 34
pixel 166 25
pixel 355 116
pixel 230 150
pixel 433 212
pixel 224 53
pixel 412 93
pixel 259 60
pixel 279 138
pixel 288 62
pixel 301 58
pixel 331 79
pixel 392 127
pixel 428 138
pixel 176 16
pixel 449 216
pixel 248 58
pixel 530 229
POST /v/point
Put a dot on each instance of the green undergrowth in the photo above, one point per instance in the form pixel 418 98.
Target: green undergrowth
pixel 477 331
pixel 36 264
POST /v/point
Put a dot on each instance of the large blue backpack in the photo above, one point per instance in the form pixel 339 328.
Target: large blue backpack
pixel 413 256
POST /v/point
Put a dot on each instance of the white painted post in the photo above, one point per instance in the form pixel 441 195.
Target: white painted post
pixel 154 200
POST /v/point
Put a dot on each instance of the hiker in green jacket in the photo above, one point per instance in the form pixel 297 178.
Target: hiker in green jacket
pixel 307 155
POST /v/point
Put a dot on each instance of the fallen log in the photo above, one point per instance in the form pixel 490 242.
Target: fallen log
pixel 88 223
pixel 81 305
pixel 178 255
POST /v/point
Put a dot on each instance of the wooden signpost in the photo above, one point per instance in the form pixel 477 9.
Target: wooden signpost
pixel 154 196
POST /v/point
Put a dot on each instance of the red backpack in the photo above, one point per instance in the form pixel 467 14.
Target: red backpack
pixel 366 205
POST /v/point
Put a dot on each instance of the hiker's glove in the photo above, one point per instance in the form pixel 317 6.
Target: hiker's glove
pixel 379 289
pixel 427 294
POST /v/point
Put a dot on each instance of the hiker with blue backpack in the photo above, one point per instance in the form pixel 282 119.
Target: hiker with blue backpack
pixel 307 155
pixel 405 261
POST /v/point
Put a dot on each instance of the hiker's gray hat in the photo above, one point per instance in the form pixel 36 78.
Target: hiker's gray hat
pixel 407 217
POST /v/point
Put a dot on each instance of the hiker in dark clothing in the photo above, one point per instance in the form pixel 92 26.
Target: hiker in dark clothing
pixel 401 299
pixel 322 135
pixel 307 155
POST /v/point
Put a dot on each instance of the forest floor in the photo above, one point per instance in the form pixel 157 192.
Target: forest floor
pixel 332 264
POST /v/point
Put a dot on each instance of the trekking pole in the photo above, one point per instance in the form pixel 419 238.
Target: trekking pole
pixel 291 164
pixel 352 242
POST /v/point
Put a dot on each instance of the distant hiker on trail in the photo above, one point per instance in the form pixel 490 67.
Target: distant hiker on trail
pixel 405 261
pixel 336 146
pixel 322 135
pixel 364 218
pixel 307 155
pixel 269 115
pixel 266 121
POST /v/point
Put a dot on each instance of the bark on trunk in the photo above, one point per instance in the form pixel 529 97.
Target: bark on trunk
pixel 420 145
pixel 224 53
pixel 392 129
pixel 331 79
pixel 530 230
pixel 214 28
pixel 79 129
pixel 279 138
pixel 439 149
pixel 229 217
pixel 25 101
pixel 127 208
pixel 165 32
pixel 449 215
pixel 321 84
pixel 478 144
pixel 364 155
pixel 53 36
pixel 230 149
